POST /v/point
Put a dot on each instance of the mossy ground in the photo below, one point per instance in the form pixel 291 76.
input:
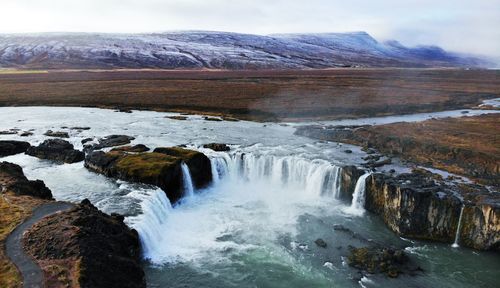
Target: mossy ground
pixel 145 165
pixel 184 154
pixel 13 211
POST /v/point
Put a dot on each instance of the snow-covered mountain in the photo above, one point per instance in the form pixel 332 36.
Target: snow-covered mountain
pixel 219 50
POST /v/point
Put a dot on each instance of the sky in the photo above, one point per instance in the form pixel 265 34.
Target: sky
pixel 456 25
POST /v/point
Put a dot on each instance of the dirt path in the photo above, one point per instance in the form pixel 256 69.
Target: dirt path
pixel 30 271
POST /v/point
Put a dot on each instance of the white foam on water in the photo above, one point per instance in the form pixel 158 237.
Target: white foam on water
pixel 254 199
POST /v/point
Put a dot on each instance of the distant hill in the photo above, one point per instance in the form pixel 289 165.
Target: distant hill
pixel 218 50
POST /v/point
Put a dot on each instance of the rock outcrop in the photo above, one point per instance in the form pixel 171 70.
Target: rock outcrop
pixel 136 148
pixel 57 134
pixel 12 180
pixel 391 262
pixel 198 163
pixel 85 247
pixel 418 205
pixel 58 150
pixel 108 141
pixel 221 147
pixel 11 147
pixel 467 146
pixel 161 168
pixel 348 177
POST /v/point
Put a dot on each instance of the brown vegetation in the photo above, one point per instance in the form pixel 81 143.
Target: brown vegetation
pixel 258 95
pixel 467 146
pixel 84 247
pixel 13 211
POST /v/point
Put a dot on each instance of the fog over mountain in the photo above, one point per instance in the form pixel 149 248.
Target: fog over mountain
pixel 219 50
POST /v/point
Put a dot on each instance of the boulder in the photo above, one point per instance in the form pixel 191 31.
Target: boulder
pixel 57 134
pixel 8 132
pixel 134 149
pixel 80 128
pixel 11 147
pixel 220 147
pixel 12 180
pixel 87 140
pixel 373 259
pixel 199 164
pixel 89 247
pixel 321 243
pixel 58 150
pixel 26 134
pixel 108 141
pixel 375 164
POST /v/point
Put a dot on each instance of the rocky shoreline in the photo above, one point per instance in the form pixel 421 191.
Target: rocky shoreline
pixel 423 205
pixel 84 247
pixel 419 205
pixel 466 146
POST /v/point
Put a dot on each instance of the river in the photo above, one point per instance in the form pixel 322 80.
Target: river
pixel 273 195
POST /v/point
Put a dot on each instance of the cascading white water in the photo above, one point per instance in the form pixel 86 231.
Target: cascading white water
pixel 358 197
pixel 156 207
pixel 187 181
pixel 276 180
pixel 312 177
pixel 219 168
pixel 459 227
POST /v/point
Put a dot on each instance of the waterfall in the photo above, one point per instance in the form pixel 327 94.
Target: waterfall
pixel 358 197
pixel 219 168
pixel 187 181
pixel 155 208
pixel 459 227
pixel 313 177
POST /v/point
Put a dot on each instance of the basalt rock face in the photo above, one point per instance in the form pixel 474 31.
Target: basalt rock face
pixel 481 223
pixel 57 150
pixel 101 250
pixel 348 177
pixel 160 169
pixel 8 148
pixel 12 180
pixel 198 163
pixel 417 205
